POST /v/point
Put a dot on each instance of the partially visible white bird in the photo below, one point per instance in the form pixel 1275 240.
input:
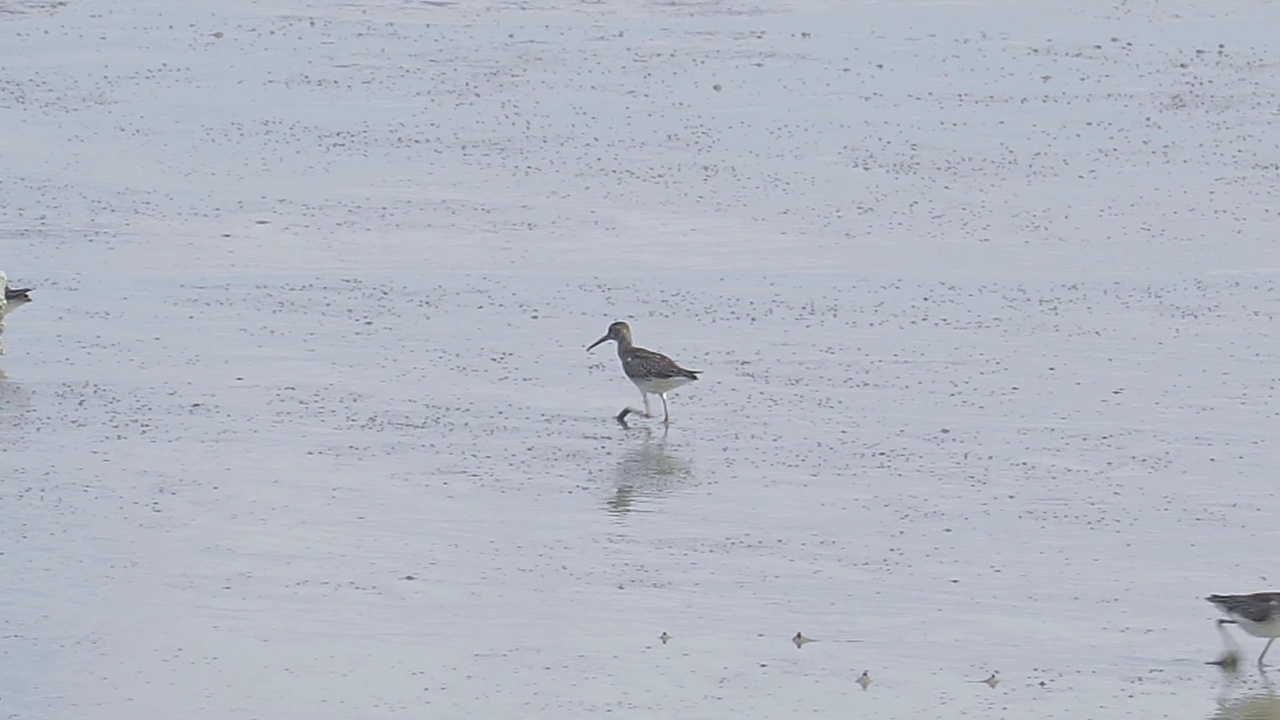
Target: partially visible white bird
pixel 1257 614
pixel 14 298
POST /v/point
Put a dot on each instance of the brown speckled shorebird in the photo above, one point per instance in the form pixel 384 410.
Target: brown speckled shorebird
pixel 652 372
pixel 1257 614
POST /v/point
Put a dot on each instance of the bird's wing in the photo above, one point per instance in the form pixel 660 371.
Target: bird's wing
pixel 1258 607
pixel 649 364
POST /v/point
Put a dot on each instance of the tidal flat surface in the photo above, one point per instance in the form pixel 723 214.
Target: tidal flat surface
pixel 301 423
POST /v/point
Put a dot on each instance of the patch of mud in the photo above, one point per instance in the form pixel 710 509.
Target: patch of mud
pixel 11 9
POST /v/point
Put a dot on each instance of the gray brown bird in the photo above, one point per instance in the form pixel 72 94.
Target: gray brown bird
pixel 1257 614
pixel 652 372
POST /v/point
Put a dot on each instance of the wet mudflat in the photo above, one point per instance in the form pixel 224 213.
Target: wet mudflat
pixel 301 423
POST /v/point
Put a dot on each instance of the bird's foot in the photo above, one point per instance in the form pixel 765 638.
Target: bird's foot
pixel 622 416
pixel 1228 660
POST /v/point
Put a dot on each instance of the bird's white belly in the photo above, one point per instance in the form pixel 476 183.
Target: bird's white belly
pixel 1270 629
pixel 658 386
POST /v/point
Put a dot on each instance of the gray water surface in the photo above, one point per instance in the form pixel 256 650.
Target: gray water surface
pixel 301 424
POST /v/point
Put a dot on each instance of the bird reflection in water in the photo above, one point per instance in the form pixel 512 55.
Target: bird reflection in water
pixel 1241 698
pixel 1252 706
pixel 15 401
pixel 647 470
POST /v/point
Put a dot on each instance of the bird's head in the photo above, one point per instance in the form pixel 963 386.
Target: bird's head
pixel 619 332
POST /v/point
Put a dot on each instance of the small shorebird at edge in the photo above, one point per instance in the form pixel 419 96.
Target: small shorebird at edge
pixel 653 373
pixel 1257 614
pixel 13 299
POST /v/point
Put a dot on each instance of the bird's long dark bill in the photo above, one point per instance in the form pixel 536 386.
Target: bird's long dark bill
pixel 606 337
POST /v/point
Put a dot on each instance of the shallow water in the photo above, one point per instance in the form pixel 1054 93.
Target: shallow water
pixel 301 422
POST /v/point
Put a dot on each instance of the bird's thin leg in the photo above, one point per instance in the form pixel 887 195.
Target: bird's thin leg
pixel 666 416
pixel 1264 651
pixel 645 396
pixel 1231 652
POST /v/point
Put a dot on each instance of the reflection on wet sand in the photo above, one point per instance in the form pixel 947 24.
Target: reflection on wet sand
pixel 1235 703
pixel 1254 706
pixel 647 470
pixel 15 399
